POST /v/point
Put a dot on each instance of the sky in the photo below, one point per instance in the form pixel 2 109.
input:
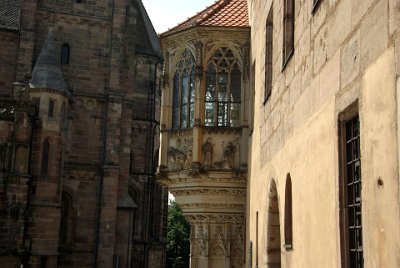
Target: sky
pixel 165 14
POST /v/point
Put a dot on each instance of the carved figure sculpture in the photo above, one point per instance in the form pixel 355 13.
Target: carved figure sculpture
pixel 176 157
pixel 228 156
pixel 189 158
pixel 208 152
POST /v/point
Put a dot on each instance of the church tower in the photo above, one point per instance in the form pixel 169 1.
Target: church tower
pixel 49 93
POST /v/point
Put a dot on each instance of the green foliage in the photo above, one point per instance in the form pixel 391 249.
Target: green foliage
pixel 178 238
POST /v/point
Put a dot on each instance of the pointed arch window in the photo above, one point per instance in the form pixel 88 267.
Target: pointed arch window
pixel 45 158
pixel 184 92
pixel 288 214
pixel 223 90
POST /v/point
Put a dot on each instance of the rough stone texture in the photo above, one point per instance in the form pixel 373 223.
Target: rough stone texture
pixel 9 46
pixel 98 202
pixel 345 51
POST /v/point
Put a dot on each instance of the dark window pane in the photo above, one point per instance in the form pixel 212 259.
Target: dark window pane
pixel 222 114
pixel 184 114
pixel 65 54
pixel 175 103
pixel 210 109
pixel 51 108
pixel 353 197
pixel 45 158
pixel 185 89
pixel 236 85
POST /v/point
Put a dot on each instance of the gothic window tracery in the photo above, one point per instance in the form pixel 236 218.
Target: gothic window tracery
pixel 184 92
pixel 223 90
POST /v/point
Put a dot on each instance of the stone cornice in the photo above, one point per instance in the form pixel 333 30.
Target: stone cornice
pixel 212 33
pixel 197 176
pixel 207 191
pixel 215 218
pixel 212 205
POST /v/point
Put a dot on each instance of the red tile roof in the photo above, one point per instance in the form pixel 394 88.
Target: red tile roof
pixel 223 13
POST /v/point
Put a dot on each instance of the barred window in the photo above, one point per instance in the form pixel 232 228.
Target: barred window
pixel 184 92
pixel 223 90
pixel 350 191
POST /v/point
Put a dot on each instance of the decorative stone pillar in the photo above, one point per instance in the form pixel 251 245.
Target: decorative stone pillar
pixel 214 204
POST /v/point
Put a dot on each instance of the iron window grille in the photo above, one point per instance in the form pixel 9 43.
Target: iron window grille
pixel 350 189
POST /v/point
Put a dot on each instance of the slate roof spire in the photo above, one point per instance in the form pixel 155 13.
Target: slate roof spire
pixel 47 72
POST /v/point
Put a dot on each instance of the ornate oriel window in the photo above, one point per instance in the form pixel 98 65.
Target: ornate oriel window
pixel 223 90
pixel 184 92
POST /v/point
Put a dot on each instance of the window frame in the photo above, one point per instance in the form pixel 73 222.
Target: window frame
pixel 65 54
pixel 346 117
pixel 184 70
pixel 269 48
pixel 288 221
pixel 288 24
pixel 315 5
pixel 226 63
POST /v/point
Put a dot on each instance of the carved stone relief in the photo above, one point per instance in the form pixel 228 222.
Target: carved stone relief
pixel 219 245
pixel 180 156
pixel 229 152
pixel 208 153
pixel 177 158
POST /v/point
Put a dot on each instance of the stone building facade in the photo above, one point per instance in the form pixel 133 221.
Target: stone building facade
pixel 205 129
pixel 79 114
pixel 320 114
pixel 324 175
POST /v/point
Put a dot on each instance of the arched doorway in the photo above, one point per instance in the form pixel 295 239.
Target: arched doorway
pixel 273 229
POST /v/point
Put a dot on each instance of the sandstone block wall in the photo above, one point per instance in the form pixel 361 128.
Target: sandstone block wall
pixel 345 52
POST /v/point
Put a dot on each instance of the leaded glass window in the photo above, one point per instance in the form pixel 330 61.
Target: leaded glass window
pixel 184 92
pixel 223 90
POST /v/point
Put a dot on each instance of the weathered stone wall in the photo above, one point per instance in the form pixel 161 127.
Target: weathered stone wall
pixel 344 52
pixel 103 137
pixel 8 53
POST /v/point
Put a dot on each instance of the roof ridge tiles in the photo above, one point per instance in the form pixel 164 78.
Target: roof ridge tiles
pixel 223 13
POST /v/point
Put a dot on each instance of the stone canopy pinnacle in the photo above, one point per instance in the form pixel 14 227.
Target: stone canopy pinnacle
pixel 47 73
